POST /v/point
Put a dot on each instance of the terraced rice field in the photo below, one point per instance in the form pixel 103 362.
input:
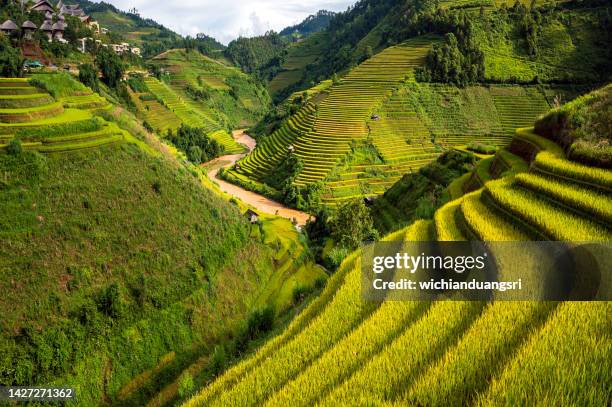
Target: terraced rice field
pixel 321 135
pixel 518 107
pixel 179 106
pixel 157 115
pixel 342 350
pixel 50 116
pixel 298 57
pixel 418 122
pixel 227 96
pixel 379 106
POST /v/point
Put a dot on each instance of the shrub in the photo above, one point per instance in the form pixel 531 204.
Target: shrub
pixel 300 293
pixel 194 154
pixel 482 148
pixel 352 224
pixel 186 385
pixel 260 322
pixel 218 360
pixel 10 59
pixel 88 75
pixel 14 147
pixel 110 302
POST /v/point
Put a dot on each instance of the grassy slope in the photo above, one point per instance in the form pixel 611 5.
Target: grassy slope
pixel 568 41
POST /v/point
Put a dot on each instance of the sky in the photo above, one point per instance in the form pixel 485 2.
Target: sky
pixel 226 20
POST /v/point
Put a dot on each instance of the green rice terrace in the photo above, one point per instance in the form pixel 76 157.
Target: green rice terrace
pixel 51 125
pixel 199 92
pixel 377 124
pixel 299 56
pixel 342 350
pixel 224 93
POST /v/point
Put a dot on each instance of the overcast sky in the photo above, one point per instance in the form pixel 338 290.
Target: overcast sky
pixel 228 19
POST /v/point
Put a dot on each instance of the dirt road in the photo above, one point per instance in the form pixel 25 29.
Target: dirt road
pixel 259 202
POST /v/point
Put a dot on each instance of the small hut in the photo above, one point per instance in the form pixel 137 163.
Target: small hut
pixel 47 28
pixel 252 216
pixel 58 31
pixel 28 29
pixel 8 27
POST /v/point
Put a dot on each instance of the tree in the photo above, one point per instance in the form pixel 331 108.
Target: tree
pixel 111 67
pixel 88 75
pixel 352 224
pixel 194 154
pixel 10 59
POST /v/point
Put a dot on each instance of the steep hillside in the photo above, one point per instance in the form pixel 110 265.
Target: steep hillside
pixel 377 124
pixel 343 350
pixel 310 25
pixel 111 282
pixel 226 95
pixel 298 57
pixel 551 42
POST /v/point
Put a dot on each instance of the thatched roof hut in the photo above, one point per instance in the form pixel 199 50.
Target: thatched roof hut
pixel 47 26
pixel 59 26
pixel 8 26
pixel 28 25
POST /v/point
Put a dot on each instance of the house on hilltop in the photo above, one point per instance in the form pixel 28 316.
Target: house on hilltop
pixel 61 10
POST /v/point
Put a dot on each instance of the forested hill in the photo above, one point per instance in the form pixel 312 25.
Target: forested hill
pixel 311 24
pixel 508 41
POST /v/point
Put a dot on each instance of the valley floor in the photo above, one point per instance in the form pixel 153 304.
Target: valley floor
pixel 258 201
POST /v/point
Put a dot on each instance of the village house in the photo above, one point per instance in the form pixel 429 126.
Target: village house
pixel 61 10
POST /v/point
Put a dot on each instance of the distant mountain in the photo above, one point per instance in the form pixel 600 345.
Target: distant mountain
pixel 311 24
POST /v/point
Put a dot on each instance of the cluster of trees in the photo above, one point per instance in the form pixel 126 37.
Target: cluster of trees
pixel 253 54
pixel 457 62
pixel 10 59
pixel 195 143
pixel 350 225
pixel 529 22
pixel 311 24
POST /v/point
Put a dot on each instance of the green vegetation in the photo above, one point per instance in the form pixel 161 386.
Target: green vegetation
pixel 451 351
pixel 11 60
pixel 362 134
pixel 192 141
pixel 223 94
pixel 418 195
pixel 583 128
pixel 252 54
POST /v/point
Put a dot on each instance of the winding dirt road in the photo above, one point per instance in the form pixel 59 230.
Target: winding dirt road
pixel 259 202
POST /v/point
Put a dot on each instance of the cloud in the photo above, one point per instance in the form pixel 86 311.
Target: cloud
pixel 228 19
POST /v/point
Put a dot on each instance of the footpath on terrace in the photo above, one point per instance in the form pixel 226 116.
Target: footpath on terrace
pixel 259 202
